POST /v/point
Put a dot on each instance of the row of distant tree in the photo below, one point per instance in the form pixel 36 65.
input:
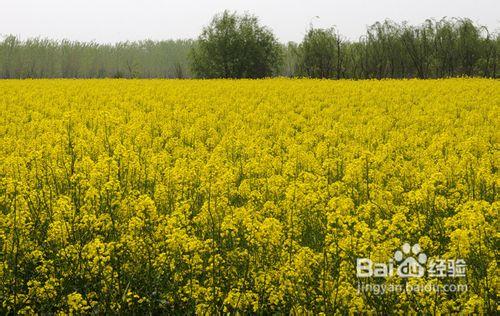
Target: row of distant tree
pixel 237 46
pixel 43 58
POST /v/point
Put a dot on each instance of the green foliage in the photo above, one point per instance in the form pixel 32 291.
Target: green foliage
pixel 43 58
pixel 291 61
pixel 435 49
pixel 236 46
pixel 320 54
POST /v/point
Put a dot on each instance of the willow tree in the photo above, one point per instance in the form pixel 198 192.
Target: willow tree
pixel 321 54
pixel 236 46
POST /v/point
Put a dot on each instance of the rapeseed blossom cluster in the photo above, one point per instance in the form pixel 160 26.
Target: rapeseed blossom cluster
pixel 208 197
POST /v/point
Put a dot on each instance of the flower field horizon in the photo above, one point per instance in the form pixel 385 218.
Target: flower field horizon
pixel 248 196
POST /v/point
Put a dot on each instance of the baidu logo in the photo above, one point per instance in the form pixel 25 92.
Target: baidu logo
pixel 410 262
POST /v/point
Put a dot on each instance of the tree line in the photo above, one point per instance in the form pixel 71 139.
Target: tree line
pixel 237 46
pixel 44 58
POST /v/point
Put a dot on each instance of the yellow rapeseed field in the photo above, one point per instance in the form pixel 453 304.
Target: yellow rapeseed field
pixel 251 196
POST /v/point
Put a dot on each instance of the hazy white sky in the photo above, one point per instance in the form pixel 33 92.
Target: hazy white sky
pixel 120 20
